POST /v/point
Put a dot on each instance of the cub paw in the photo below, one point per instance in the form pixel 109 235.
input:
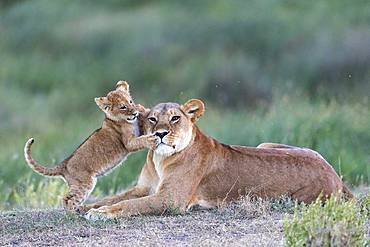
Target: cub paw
pixel 152 141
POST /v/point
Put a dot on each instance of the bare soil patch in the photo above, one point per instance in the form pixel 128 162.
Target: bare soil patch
pixel 234 225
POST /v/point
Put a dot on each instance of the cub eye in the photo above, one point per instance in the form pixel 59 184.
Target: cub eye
pixel 123 107
pixel 106 107
pixel 175 119
pixel 152 120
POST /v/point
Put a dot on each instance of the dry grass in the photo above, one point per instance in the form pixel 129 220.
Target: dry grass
pixel 245 223
pixel 242 223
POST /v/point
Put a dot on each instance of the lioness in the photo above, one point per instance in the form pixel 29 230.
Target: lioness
pixel 188 168
pixel 103 150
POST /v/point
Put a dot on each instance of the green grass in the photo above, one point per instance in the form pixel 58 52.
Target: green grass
pixel 270 71
pixel 293 72
pixel 335 223
pixel 338 132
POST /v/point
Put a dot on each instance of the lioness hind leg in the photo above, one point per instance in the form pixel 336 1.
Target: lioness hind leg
pixel 76 195
pixel 274 145
pixel 307 194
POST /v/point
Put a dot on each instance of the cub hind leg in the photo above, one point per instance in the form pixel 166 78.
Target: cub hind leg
pixel 78 192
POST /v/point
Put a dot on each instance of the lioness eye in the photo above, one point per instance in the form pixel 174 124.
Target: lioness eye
pixel 130 101
pixel 123 107
pixel 175 118
pixel 152 120
pixel 106 107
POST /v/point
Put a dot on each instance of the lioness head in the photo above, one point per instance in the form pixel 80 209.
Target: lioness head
pixel 173 125
pixel 118 104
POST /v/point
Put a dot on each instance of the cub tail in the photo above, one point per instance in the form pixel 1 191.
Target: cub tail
pixel 55 171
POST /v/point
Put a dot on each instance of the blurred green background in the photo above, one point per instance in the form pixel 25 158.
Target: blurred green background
pixel 294 72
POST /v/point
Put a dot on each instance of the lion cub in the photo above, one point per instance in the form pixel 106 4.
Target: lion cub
pixel 103 150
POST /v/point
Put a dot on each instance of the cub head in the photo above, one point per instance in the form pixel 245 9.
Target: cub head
pixel 118 104
pixel 173 125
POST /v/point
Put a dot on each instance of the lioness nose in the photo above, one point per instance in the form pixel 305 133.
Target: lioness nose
pixel 161 134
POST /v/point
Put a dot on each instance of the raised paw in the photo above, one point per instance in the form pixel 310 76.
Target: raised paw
pixel 152 141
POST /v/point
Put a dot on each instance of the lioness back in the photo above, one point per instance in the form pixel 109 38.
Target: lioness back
pixel 300 173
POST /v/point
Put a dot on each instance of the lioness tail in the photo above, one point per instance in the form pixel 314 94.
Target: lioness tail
pixel 346 192
pixel 55 171
pixel 274 145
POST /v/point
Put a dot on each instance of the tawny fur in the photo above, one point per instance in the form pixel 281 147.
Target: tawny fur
pixel 188 168
pixel 102 151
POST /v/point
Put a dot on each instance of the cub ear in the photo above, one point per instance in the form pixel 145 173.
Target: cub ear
pixel 144 111
pixel 123 86
pixel 194 109
pixel 103 103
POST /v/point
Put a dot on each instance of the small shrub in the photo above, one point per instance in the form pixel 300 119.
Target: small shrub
pixel 336 223
pixel 365 205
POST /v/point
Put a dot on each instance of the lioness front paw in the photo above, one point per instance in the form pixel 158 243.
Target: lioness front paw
pixel 95 214
pixel 82 210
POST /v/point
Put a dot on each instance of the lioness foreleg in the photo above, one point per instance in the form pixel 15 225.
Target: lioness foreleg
pixel 153 204
pixel 133 193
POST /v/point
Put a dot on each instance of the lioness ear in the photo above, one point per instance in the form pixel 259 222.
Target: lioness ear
pixel 122 85
pixel 194 109
pixel 103 103
pixel 143 111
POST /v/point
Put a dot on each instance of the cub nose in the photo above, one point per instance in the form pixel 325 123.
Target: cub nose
pixel 161 134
